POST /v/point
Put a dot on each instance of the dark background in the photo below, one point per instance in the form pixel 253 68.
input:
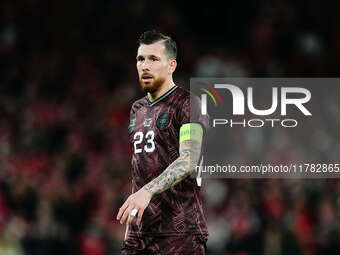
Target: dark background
pixel 67 81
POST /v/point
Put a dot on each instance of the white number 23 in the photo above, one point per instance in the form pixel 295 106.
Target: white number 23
pixel 138 139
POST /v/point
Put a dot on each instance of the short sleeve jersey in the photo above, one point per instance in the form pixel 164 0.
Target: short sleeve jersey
pixel 154 135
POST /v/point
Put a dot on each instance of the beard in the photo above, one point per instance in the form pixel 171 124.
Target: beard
pixel 151 87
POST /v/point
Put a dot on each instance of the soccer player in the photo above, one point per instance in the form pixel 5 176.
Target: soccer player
pixel 164 213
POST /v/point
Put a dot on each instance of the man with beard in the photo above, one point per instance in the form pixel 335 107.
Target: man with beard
pixel 164 213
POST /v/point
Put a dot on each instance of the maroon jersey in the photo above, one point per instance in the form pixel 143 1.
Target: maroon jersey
pixel 154 133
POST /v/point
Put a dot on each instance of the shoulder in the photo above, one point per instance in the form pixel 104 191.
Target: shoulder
pixel 138 104
pixel 189 109
pixel 182 92
pixel 186 104
pixel 184 97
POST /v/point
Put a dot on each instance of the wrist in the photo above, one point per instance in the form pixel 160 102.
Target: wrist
pixel 148 191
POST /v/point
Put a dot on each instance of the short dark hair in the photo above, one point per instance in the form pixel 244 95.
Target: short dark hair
pixel 152 36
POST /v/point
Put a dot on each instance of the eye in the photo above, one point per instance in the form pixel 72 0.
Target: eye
pixel 153 59
pixel 140 59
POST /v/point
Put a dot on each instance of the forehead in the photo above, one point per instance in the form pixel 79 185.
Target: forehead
pixel 157 49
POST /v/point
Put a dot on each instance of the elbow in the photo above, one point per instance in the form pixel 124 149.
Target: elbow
pixel 192 159
pixel 194 162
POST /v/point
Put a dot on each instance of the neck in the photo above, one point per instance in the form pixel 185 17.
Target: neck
pixel 161 91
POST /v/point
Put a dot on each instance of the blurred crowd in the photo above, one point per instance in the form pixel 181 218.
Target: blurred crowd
pixel 68 79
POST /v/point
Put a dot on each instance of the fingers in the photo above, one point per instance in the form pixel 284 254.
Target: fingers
pixel 139 219
pixel 126 214
pixel 122 210
pixel 140 215
pixel 130 219
pixel 138 201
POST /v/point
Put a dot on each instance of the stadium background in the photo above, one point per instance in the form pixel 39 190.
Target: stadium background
pixel 68 78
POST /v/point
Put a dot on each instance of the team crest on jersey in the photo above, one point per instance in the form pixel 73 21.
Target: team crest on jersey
pixel 147 122
pixel 163 121
pixel 132 125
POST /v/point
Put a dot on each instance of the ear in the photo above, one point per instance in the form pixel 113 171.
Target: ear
pixel 172 66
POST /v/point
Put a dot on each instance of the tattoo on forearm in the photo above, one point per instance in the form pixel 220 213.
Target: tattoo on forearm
pixel 178 170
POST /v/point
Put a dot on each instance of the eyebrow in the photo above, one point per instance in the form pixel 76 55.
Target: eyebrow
pixel 152 55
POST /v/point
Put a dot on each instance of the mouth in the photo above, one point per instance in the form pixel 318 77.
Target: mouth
pixel 147 78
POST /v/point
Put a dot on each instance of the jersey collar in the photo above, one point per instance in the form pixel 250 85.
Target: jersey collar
pixel 163 96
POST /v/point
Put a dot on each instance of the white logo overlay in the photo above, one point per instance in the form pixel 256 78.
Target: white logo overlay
pixel 238 106
pixel 268 127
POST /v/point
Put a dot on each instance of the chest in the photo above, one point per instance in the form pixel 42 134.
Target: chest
pixel 152 126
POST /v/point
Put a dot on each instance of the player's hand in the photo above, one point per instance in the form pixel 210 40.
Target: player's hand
pixel 138 200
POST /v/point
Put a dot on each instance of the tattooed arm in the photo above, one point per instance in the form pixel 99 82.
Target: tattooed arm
pixel 191 135
pixel 184 165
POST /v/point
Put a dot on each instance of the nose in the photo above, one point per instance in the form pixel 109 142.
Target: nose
pixel 146 66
